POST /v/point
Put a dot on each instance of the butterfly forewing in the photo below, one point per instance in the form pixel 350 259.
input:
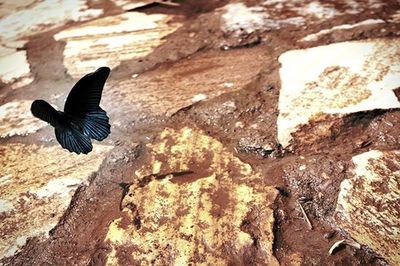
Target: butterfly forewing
pixel 85 96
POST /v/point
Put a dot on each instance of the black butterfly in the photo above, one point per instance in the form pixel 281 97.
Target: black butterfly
pixel 82 119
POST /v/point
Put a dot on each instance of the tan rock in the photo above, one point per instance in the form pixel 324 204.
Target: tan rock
pixel 109 40
pixel 368 206
pixel 204 211
pixel 36 186
pixel 336 79
pixel 172 87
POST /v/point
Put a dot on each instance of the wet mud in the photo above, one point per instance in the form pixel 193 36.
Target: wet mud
pixel 235 116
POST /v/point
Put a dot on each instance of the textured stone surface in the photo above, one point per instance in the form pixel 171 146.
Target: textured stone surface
pixel 40 16
pixel 316 36
pixel 174 71
pixel 116 38
pixel 36 186
pixel 172 87
pixel 368 206
pixel 240 19
pixel 20 19
pixel 16 119
pixel 199 212
pixel 356 76
pixel 14 66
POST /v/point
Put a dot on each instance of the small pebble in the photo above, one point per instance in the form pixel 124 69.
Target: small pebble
pixel 329 235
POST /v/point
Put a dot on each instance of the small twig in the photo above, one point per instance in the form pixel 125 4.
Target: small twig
pixel 335 246
pixel 305 216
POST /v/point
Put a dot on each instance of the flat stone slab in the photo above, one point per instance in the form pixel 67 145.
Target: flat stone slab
pixel 368 206
pixel 109 40
pixel 194 202
pixel 41 16
pixel 14 66
pixel 240 19
pixel 21 19
pixel 36 187
pixel 365 23
pixel 336 79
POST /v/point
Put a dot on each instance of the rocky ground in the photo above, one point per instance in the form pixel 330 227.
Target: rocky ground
pixel 243 133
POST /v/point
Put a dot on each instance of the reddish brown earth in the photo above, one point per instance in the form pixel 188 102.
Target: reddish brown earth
pixel 78 238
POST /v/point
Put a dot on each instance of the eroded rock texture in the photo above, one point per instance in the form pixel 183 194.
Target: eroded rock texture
pixel 194 202
pixel 368 203
pixel 242 133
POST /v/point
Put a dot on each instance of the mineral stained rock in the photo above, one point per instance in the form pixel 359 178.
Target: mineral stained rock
pixel 357 76
pixel 194 203
pixel 36 187
pixel 368 205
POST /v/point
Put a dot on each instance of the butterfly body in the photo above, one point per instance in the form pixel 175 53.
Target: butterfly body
pixel 82 119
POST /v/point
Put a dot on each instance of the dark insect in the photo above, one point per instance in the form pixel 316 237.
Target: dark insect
pixel 82 119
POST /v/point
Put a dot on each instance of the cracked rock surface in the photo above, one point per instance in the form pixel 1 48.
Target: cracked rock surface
pixel 254 132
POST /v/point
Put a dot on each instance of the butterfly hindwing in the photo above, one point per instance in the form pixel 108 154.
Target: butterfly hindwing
pixel 85 96
pixel 73 140
pixel 95 124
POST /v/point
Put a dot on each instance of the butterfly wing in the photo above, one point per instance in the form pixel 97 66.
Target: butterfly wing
pixel 73 140
pixel 43 110
pixel 94 124
pixel 85 96
pixel 83 104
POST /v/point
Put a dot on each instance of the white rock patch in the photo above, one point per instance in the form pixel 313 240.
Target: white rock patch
pixel 108 41
pixel 43 16
pixel 16 119
pixel 316 36
pixel 5 206
pixel 14 66
pixel 60 187
pixel 239 18
pixel 318 10
pixel 340 78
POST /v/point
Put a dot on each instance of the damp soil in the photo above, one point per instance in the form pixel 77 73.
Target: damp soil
pixel 244 121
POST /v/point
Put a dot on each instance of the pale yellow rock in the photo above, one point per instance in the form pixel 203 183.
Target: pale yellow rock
pixel 336 79
pixel 195 215
pixel 368 206
pixel 108 41
pixel 36 187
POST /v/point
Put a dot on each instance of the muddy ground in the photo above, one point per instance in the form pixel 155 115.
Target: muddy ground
pixel 201 57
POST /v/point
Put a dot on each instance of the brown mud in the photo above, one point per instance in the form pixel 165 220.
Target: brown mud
pixel 244 121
